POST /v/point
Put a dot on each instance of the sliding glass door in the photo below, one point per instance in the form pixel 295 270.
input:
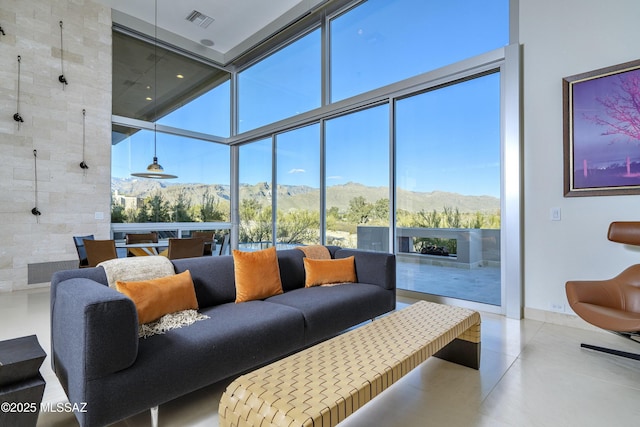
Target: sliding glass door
pixel 448 190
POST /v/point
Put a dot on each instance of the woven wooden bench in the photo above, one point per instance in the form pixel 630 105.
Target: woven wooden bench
pixel 324 384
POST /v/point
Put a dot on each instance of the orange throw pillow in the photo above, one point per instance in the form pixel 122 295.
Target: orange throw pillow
pixel 329 271
pixel 257 274
pixel 157 297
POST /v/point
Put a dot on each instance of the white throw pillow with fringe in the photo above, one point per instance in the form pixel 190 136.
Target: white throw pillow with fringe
pixel 135 269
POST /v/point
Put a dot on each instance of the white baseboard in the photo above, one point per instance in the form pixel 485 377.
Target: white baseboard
pixel 556 318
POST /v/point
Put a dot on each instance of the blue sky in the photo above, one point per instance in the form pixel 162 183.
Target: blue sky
pixel 447 140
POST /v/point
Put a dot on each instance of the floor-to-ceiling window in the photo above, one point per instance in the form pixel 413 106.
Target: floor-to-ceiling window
pixel 207 113
pixel 448 190
pixel 298 186
pixel 281 85
pixel 380 42
pixel 354 126
pixel 190 197
pixel 170 109
pixel 256 195
pixel 447 140
pixel 357 179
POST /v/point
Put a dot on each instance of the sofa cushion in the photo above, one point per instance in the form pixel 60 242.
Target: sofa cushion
pixel 328 310
pixel 329 271
pixel 156 297
pixel 315 251
pixel 213 278
pixel 291 269
pixel 257 274
pixel 370 265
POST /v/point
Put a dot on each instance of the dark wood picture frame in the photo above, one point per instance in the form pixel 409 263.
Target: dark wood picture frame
pixel 601 110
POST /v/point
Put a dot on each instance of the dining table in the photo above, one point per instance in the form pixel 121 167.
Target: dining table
pixel 150 248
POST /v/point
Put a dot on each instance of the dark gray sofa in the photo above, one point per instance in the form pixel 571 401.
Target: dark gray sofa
pixel 100 361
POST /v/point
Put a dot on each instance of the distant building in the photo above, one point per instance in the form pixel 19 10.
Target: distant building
pixel 128 202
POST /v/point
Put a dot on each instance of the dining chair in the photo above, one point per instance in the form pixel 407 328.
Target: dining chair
pixel 224 247
pixel 99 250
pixel 82 253
pixel 131 238
pixel 209 244
pixel 186 248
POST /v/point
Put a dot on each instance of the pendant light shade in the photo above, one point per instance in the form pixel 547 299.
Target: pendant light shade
pixel 154 170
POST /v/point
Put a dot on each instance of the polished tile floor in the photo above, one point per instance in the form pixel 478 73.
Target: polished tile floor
pixel 532 374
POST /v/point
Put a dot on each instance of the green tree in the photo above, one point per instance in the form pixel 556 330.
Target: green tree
pixel 298 226
pixel 142 213
pixel 255 222
pixel 451 217
pixel 181 208
pixel 130 215
pixel 494 220
pixel 381 210
pixel 333 218
pixel 477 220
pixel 359 210
pixel 158 208
pixel 209 211
pixel 405 218
pixel 117 213
pixel 427 219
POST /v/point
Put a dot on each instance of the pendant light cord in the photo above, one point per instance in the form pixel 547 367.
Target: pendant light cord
pixel 17 116
pixel 62 78
pixel 35 210
pixel 84 117
pixel 155 82
pixel 154 170
pixel 83 164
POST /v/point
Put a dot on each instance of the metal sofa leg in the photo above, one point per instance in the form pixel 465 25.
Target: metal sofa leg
pixel 154 416
pixel 625 354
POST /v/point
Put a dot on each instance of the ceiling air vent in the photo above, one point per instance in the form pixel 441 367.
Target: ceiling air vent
pixel 200 19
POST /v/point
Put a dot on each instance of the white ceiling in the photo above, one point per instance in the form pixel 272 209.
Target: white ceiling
pixel 235 21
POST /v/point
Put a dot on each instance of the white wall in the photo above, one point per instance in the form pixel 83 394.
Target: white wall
pixel 68 198
pixel 561 38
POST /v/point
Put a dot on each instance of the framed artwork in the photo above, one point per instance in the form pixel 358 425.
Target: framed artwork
pixel 602 131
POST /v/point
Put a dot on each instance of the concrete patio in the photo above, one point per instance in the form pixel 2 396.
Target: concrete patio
pixel 479 284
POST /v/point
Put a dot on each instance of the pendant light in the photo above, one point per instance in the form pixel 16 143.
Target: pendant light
pixel 154 170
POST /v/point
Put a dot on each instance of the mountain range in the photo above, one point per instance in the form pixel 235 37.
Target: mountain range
pixel 304 197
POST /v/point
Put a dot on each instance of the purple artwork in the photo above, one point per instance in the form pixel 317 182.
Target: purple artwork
pixel 604 132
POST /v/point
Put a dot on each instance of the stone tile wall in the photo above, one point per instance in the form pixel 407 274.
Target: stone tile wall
pixel 72 201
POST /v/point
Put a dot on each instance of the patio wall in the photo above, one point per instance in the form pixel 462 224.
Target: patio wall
pixel 476 247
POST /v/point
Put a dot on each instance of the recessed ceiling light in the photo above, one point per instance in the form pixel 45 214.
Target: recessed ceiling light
pixel 180 76
pixel 207 42
pixel 148 98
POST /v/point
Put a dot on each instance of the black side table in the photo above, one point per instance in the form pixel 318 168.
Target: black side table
pixel 21 385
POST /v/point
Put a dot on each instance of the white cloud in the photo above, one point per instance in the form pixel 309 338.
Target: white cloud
pixel 335 177
pixel 297 171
